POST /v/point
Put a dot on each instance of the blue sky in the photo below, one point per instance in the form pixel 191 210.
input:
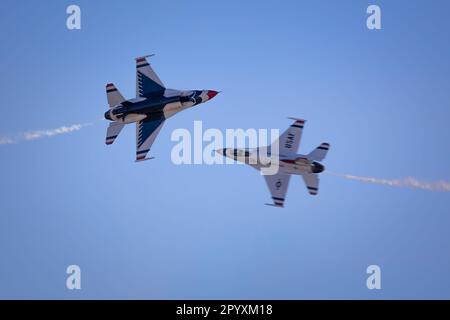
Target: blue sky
pixel 155 230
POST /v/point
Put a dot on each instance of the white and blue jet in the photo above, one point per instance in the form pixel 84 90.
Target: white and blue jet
pixel 282 154
pixel 151 107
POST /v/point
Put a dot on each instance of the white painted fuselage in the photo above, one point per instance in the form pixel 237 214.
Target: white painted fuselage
pixel 297 164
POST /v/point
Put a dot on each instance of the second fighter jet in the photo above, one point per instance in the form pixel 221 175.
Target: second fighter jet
pixel 282 154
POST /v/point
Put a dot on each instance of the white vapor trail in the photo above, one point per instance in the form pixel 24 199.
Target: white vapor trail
pixel 38 134
pixel 408 182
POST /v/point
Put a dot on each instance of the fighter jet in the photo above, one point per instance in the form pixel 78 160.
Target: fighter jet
pixel 151 107
pixel 284 157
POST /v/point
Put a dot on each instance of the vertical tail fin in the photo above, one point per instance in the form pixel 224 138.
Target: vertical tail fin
pixel 113 95
pixel 320 152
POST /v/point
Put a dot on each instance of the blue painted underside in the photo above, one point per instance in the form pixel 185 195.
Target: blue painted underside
pixel 147 127
pixel 148 87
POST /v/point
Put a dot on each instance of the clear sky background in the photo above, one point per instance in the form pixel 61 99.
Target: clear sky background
pixel 160 231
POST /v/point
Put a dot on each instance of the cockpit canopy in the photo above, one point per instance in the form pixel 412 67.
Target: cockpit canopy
pixel 188 93
pixel 241 153
pixel 186 96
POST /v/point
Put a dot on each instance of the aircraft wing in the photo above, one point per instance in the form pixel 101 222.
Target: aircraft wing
pixel 278 185
pixel 289 141
pixel 312 183
pixel 148 83
pixel 146 132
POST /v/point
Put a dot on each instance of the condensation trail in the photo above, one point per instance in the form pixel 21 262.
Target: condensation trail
pixel 408 182
pixel 38 134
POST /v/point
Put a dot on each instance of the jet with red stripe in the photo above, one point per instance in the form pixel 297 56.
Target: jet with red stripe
pixel 283 155
pixel 154 104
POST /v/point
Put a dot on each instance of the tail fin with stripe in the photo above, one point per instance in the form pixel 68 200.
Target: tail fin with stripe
pixel 113 131
pixel 113 95
pixel 319 153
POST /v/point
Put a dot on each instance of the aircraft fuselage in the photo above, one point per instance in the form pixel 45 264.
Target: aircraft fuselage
pixel 172 102
pixel 300 165
pixel 297 164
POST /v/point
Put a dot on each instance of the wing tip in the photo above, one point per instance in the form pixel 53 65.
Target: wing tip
pixel 139 59
pixel 297 119
pixel 275 205
pixel 143 159
pixel 324 146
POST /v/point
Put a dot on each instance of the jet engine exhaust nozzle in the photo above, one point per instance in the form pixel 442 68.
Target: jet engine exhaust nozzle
pixel 108 115
pixel 317 167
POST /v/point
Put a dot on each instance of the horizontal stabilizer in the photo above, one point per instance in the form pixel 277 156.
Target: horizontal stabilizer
pixel 319 153
pixel 113 131
pixel 312 183
pixel 113 95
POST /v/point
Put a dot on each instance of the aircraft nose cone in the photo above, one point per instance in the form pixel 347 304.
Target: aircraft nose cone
pixel 211 94
pixel 221 151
